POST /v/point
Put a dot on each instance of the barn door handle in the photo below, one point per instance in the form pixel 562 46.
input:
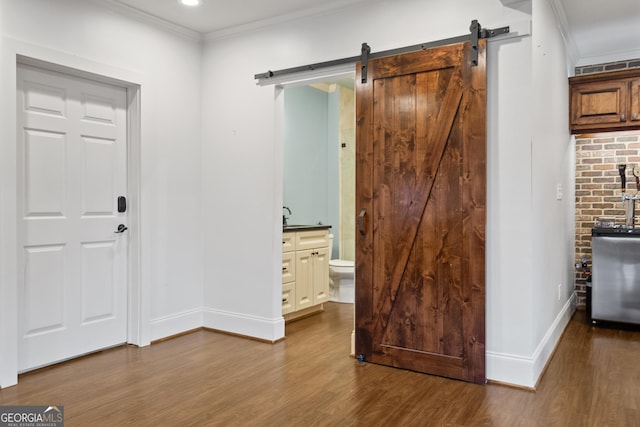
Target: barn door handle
pixel 363 212
pixel 121 229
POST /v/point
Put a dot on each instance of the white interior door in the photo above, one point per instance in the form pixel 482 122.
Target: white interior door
pixel 72 165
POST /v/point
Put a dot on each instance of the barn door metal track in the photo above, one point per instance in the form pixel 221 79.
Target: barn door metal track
pixel 476 33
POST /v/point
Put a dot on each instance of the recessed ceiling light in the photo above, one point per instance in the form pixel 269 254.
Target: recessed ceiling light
pixel 190 2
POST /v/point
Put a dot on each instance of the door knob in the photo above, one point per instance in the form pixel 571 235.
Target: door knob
pixel 121 229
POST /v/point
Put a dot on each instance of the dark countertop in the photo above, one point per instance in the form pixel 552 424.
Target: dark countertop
pixel 298 227
pixel 616 231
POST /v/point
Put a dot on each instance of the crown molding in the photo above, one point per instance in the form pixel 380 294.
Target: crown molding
pixel 563 25
pixel 142 16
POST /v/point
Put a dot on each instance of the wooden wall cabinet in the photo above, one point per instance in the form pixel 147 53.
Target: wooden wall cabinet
pixel 305 272
pixel 605 102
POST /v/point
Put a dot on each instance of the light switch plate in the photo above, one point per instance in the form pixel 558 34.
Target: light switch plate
pixel 558 191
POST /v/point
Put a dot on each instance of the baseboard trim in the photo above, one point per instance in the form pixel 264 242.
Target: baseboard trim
pixel 510 369
pixel 546 348
pixel 175 324
pixel 261 328
pixel 526 371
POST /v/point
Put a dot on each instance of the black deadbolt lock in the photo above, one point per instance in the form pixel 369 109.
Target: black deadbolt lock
pixel 122 204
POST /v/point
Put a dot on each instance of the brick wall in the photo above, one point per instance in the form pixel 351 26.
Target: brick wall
pixel 598 193
pixel 609 66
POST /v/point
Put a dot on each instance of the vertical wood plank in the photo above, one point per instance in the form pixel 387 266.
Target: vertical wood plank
pixel 364 194
pixel 475 195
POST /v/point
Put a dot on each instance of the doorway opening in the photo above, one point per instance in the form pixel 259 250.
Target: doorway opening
pixel 598 188
pixel 319 159
pixel 318 164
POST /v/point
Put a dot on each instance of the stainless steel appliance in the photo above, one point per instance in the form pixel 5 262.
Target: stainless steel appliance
pixel 615 293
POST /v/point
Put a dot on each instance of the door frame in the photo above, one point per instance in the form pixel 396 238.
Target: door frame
pixel 138 289
pixel 279 85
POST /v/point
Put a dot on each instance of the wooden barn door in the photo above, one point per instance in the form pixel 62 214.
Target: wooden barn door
pixel 421 196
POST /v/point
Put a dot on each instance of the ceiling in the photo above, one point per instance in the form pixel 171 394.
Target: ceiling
pixel 218 15
pixel 595 29
pixel 601 30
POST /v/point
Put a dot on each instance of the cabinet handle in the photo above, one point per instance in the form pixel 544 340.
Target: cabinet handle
pixel 634 117
pixel 284 300
pixel 284 268
pixel 623 117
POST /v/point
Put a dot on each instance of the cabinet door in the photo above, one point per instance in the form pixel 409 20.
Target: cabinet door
pixel 599 104
pixel 321 275
pixel 288 267
pixel 288 298
pixel 304 279
pixel 288 242
pixel 312 239
pixel 635 101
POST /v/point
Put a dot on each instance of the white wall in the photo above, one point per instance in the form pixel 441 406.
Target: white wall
pixel 209 148
pixel 306 161
pixel 244 164
pixel 553 165
pixel 525 312
pixel 509 311
pixel 80 34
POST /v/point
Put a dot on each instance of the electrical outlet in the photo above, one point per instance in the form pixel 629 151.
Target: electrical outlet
pixel 559 291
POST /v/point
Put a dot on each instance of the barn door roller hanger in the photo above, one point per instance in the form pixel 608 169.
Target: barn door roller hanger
pixel 476 33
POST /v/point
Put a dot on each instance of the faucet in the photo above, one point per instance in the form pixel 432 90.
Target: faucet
pixel 284 217
pixel 628 199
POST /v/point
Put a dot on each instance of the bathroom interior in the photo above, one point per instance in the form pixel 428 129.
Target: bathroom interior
pixel 319 176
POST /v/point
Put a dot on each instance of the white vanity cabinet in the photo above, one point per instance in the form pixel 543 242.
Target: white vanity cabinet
pixel 305 272
pixel 288 273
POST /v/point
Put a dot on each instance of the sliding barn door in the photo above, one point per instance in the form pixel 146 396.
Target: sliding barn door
pixel 421 197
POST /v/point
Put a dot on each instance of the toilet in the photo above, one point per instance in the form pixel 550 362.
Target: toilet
pixel 341 278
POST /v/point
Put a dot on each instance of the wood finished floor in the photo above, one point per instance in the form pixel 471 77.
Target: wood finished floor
pixel 212 379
